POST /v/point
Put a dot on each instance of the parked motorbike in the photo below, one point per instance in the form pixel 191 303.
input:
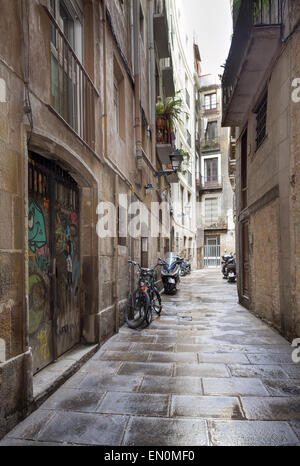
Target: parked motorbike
pixel 170 272
pixel 183 268
pixel 231 270
pixel 225 259
pixel 189 265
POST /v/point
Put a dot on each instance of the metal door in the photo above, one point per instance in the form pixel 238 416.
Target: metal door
pixel 67 265
pixel 39 257
pixel 54 261
pixel 212 257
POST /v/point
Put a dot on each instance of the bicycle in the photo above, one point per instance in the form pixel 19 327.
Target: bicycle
pixel 144 299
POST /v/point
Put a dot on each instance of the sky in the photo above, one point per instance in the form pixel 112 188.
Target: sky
pixel 212 23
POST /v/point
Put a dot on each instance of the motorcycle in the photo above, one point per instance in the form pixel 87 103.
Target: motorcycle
pixel 225 259
pixel 185 267
pixel 170 272
pixel 231 270
pixel 189 266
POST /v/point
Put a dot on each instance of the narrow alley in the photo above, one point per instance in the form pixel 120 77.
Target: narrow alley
pixel 207 372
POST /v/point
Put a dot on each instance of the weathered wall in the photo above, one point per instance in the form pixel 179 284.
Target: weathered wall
pixel 265 264
pixel 295 174
pixel 273 210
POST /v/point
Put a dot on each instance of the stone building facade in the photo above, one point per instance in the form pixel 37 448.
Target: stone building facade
pixel 183 190
pixel 214 190
pixel 77 128
pixel 261 100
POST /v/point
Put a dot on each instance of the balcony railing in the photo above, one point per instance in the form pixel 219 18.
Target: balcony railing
pixel 165 140
pixel 161 29
pixel 189 138
pixel 210 144
pixel 159 7
pixel 209 182
pixel 211 109
pixel 163 131
pixel 187 98
pixel 220 224
pixel 256 39
pixel 73 93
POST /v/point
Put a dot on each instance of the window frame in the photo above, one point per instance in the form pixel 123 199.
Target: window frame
pixel 210 97
pixel 211 220
pixel 261 115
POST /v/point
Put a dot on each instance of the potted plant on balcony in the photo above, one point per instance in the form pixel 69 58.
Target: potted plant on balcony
pixel 167 115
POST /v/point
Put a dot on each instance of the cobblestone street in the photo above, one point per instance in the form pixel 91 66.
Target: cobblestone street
pixel 207 372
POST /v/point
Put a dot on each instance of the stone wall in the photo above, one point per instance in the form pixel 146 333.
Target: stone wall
pixel 273 185
pixel 264 227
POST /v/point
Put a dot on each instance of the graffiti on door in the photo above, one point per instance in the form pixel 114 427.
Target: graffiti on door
pixel 67 249
pixel 39 280
pixel 37 237
pixel 54 261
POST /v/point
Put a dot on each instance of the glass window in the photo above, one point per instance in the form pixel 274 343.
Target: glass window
pixel 211 169
pixel 211 131
pixel 211 210
pixel 210 101
pixel 66 23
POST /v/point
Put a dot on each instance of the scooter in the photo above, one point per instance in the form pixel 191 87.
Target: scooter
pixel 231 270
pixel 225 259
pixel 170 272
pixel 183 268
pixel 188 266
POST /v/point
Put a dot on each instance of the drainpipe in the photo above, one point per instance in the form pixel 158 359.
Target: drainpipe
pixel 116 259
pixel 137 88
pixel 104 78
pixel 152 79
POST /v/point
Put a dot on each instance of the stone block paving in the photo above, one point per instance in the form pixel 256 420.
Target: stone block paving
pixel 207 372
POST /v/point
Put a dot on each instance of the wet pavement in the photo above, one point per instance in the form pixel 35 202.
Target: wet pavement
pixel 207 372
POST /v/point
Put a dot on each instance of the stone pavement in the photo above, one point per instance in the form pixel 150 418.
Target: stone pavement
pixel 207 372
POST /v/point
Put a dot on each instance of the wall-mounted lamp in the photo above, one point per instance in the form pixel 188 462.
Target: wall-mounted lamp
pixel 176 160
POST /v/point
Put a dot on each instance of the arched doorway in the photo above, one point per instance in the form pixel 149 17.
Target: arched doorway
pixel 54 261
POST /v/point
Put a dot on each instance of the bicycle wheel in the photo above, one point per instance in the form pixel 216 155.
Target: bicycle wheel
pixel 156 302
pixel 136 309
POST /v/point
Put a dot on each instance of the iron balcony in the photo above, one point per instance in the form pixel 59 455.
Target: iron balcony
pixel 255 43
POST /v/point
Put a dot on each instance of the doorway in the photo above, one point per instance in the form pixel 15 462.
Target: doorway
pixel 54 261
pixel 212 251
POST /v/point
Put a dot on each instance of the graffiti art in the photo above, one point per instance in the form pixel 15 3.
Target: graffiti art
pixel 36 227
pixel 37 301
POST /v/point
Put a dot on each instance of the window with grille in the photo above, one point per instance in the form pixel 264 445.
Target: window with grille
pixel 261 121
pixel 211 210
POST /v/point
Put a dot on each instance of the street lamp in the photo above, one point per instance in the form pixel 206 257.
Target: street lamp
pixel 176 160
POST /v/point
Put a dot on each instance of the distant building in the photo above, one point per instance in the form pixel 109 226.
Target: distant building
pixel 216 229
